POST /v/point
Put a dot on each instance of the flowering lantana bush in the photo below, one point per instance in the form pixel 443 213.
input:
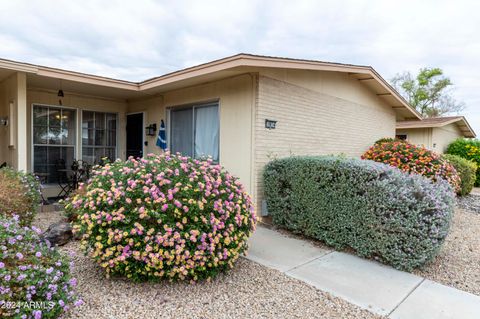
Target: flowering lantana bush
pixel 413 159
pixel 163 216
pixel 19 194
pixel 35 279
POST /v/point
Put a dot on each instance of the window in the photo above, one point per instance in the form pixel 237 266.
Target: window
pixel 194 130
pixel 402 137
pixel 53 140
pixel 99 136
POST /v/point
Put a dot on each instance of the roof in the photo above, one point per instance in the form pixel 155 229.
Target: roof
pixel 461 122
pixel 365 74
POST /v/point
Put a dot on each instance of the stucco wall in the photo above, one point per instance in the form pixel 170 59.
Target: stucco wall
pixel 7 87
pixel 418 136
pixel 235 97
pixel 442 136
pixel 315 123
pixel 14 150
pixel 79 102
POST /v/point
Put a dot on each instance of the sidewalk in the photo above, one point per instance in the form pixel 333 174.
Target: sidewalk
pixel 367 284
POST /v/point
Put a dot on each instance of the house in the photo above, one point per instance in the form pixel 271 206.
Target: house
pixel 435 133
pixel 242 110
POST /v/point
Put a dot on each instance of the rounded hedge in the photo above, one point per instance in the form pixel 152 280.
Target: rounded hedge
pixel 163 216
pixel 380 212
pixel 19 194
pixel 466 170
pixel 35 280
pixel 413 159
pixel 468 149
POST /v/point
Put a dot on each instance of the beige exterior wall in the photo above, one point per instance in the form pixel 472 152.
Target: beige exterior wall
pixel 442 136
pixel 80 103
pixel 7 96
pixel 418 136
pixel 235 96
pixel 336 84
pixel 13 138
pixel 435 139
pixel 312 122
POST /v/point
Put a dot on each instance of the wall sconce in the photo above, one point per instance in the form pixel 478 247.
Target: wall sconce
pixel 4 121
pixel 270 124
pixel 151 130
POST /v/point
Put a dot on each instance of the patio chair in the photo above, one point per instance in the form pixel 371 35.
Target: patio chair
pixel 82 170
pixel 63 180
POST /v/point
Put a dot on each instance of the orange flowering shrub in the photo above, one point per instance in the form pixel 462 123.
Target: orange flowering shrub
pixel 414 159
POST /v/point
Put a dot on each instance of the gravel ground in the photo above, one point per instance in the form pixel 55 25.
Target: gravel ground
pixel 247 291
pixel 470 203
pixel 458 263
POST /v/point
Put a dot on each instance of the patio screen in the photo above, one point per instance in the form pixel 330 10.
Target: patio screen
pixel 194 130
pixel 53 140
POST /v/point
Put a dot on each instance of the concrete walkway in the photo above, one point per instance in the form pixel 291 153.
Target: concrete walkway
pixel 367 284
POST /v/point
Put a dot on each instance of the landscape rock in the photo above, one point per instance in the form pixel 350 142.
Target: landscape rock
pixel 58 234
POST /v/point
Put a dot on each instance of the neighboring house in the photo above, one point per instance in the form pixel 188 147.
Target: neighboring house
pixel 242 110
pixel 434 133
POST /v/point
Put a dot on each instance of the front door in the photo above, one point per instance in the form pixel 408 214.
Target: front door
pixel 135 135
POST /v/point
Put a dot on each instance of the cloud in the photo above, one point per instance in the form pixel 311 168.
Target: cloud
pixel 135 40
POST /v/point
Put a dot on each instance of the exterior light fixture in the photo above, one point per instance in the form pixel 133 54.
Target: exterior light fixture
pixel 151 130
pixel 60 96
pixel 4 121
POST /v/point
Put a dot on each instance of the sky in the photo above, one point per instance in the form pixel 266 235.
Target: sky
pixel 136 40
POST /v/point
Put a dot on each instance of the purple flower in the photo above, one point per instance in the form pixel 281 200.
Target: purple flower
pixel 73 282
pixel 19 256
pixel 38 254
pixel 2 265
pixel 79 302
pixel 37 314
pixel 49 270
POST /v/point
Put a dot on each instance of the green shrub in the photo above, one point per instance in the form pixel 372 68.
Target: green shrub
pixel 468 149
pixel 413 159
pixel 380 212
pixel 163 216
pixel 466 170
pixel 19 194
pixel 32 273
pixel 388 140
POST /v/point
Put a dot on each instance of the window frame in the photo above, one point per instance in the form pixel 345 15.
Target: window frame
pixel 193 106
pixel 32 135
pixel 80 129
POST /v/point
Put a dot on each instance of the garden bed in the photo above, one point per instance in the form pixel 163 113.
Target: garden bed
pixel 247 291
